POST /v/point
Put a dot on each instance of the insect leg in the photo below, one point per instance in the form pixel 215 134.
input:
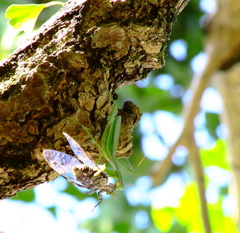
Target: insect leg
pixel 99 198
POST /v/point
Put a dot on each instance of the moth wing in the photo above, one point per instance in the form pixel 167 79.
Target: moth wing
pixel 62 163
pixel 80 153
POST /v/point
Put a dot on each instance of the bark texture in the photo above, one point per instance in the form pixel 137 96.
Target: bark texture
pixel 225 41
pixel 67 71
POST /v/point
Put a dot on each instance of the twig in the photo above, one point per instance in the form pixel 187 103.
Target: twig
pixel 199 173
pixel 186 139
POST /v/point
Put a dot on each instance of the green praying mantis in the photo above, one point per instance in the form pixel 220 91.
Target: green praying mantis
pixel 109 144
pixel 84 172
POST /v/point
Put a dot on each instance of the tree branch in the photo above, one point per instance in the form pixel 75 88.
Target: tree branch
pixel 62 73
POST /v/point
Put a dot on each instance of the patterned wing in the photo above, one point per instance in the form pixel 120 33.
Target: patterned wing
pixel 63 163
pixel 80 153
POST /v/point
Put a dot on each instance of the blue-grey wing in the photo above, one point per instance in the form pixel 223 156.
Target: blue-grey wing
pixel 80 153
pixel 62 163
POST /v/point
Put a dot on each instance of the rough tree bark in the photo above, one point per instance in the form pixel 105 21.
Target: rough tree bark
pixel 64 71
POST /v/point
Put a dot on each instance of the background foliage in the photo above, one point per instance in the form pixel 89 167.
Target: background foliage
pixel 174 205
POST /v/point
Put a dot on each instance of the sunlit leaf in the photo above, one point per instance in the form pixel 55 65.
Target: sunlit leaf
pixel 188 212
pixel 220 222
pixel 163 218
pixel 229 225
pixel 216 155
pixel 25 16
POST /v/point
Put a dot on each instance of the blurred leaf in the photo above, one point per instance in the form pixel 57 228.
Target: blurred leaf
pixel 215 156
pixel 220 222
pixel 188 212
pixel 24 16
pixel 74 191
pixel 212 121
pixel 163 218
pixel 151 98
pixel 216 216
pixel 110 221
pixel 26 195
pixel 177 228
pixel 179 70
pixel 126 164
pixel 53 211
pixel 229 225
pixel 188 21
pixel 223 191
pixel 122 227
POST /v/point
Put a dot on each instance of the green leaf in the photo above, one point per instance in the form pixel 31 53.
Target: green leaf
pixel 74 191
pixel 26 195
pixel 212 121
pixel 188 212
pixel 219 221
pixel 53 211
pixel 24 16
pixel 215 156
pixel 163 218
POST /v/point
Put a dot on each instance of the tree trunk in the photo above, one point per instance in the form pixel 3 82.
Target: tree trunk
pixel 67 71
pixel 224 40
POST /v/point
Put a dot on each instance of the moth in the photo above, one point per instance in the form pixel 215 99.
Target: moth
pixel 82 172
